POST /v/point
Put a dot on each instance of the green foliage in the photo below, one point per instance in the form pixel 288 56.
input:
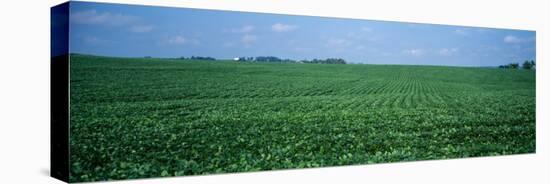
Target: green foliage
pixel 511 65
pixel 326 61
pixel 273 59
pixel 144 117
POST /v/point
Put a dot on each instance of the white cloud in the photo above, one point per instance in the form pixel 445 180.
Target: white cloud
pixel 92 40
pixel 366 29
pixel 337 43
pixel 514 39
pixel 363 36
pixel 414 52
pixel 248 39
pixel 180 40
pixel 141 28
pixel 448 51
pixel 94 17
pixel 462 32
pixel 177 40
pixel 244 29
pixel 278 27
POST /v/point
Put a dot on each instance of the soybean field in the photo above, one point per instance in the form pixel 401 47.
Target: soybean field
pixel 147 117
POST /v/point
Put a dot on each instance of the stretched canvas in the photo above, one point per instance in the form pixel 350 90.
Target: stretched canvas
pixel 146 91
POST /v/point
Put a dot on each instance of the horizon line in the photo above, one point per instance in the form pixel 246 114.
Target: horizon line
pixel 232 59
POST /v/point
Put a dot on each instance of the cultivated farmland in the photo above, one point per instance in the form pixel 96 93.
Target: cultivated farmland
pixel 135 118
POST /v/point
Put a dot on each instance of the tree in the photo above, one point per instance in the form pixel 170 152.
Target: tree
pixel 326 61
pixel 513 65
pixel 202 58
pixel 527 65
pixel 268 59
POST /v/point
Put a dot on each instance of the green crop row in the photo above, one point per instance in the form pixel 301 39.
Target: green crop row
pixel 136 118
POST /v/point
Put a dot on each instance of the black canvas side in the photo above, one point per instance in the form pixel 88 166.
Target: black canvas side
pixel 59 92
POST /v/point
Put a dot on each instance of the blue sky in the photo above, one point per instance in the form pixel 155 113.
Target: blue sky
pixel 137 31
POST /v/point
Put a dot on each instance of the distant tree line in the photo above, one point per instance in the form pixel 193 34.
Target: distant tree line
pixel 269 59
pixel 199 58
pixel 265 59
pixel 279 60
pixel 326 61
pixel 528 65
